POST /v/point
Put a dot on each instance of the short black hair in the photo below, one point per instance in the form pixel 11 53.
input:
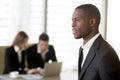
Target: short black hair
pixel 44 37
pixel 92 11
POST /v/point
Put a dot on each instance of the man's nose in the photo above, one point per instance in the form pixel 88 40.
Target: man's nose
pixel 73 24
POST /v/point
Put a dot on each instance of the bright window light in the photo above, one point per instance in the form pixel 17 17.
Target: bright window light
pixel 113 25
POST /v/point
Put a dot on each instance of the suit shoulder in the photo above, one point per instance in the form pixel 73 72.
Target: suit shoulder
pixel 106 51
pixel 108 55
pixel 107 47
pixel 51 46
pixel 9 48
pixel 109 50
pixel 102 47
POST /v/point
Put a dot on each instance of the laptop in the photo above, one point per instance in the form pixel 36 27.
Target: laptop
pixel 52 69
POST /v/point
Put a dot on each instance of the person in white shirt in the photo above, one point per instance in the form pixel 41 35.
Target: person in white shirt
pixel 39 54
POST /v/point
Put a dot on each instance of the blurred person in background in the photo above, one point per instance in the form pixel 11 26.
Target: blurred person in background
pixel 40 53
pixel 14 57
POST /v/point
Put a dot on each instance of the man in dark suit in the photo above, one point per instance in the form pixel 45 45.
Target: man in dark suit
pixel 97 59
pixel 39 54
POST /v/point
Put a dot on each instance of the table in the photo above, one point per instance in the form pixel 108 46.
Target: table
pixel 69 75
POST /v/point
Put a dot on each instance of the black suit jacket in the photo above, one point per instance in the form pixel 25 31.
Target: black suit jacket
pixel 101 63
pixel 35 59
pixel 12 62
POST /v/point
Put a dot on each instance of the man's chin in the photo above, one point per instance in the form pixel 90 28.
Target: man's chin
pixel 77 37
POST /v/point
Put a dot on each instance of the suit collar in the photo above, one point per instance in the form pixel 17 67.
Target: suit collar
pixel 90 42
pixel 16 48
pixel 88 45
pixel 91 55
pixel 39 51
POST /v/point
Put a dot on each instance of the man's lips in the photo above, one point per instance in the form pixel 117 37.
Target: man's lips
pixel 74 31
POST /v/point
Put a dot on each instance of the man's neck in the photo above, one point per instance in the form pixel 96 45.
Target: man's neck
pixel 87 38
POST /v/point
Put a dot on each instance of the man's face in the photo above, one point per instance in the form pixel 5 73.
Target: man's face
pixel 43 45
pixel 80 24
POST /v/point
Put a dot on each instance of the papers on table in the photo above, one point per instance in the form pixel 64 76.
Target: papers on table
pixel 22 77
pixel 31 77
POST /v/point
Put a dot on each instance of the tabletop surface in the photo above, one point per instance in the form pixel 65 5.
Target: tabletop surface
pixel 69 75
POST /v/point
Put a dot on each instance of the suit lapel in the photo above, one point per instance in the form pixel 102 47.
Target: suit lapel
pixel 15 54
pixel 91 55
pixel 88 60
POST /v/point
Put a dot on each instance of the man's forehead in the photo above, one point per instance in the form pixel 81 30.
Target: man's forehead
pixel 78 13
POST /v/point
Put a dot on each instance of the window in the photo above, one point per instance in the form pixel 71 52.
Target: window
pixel 52 16
pixel 4 21
pixel 59 14
pixel 36 24
pixel 17 15
pixel 113 25
pixel 59 29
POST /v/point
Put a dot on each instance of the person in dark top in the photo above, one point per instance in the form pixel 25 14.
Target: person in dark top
pixel 39 54
pixel 14 58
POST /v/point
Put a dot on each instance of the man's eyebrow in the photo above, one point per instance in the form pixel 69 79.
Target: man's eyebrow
pixel 75 18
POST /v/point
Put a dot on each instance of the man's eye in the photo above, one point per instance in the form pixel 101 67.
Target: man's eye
pixel 77 20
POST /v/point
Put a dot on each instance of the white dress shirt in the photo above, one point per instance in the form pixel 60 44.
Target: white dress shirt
pixel 87 47
pixel 42 54
pixel 18 51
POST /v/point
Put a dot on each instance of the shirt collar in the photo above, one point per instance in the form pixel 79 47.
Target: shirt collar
pixel 16 48
pixel 39 51
pixel 88 45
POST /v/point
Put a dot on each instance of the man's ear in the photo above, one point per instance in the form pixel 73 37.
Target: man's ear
pixel 92 21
